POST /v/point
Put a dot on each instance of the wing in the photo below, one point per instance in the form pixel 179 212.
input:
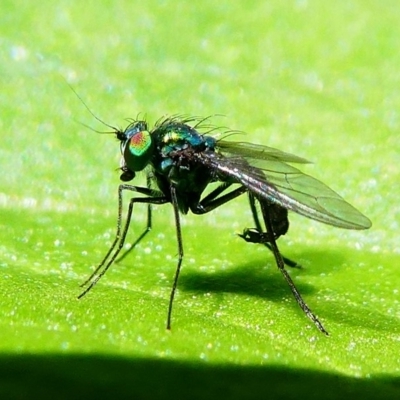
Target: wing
pixel 259 152
pixel 264 172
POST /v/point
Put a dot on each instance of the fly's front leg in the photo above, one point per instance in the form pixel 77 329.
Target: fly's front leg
pixel 149 223
pixel 120 236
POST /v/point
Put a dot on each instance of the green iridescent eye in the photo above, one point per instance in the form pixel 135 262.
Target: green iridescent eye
pixel 139 143
pixel 138 147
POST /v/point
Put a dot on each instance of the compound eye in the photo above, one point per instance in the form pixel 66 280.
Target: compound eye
pixel 139 143
pixel 138 148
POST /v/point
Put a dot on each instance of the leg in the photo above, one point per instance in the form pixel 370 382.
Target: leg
pixel 281 266
pixel 121 189
pixel 146 230
pixel 207 204
pixel 180 254
pixel 141 236
pixel 120 238
pixel 212 200
pixel 257 236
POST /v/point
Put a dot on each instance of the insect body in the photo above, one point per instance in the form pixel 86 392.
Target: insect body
pixel 182 162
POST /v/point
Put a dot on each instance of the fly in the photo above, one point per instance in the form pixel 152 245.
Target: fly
pixel 181 162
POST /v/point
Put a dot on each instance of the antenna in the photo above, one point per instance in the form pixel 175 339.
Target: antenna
pixel 94 115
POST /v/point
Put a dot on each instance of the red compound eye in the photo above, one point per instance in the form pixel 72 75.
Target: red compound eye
pixel 139 143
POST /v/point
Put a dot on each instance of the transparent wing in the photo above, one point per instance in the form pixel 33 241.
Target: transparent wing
pixel 258 151
pixel 264 172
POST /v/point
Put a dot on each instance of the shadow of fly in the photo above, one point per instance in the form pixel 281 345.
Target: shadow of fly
pixel 182 157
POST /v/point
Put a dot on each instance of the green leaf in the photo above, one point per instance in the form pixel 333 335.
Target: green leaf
pixel 316 79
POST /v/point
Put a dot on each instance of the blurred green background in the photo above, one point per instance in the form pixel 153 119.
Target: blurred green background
pixel 318 79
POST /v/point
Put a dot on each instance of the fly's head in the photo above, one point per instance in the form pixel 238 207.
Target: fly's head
pixel 136 149
pixel 136 144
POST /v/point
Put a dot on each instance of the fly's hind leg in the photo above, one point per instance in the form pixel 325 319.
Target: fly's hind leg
pixel 279 223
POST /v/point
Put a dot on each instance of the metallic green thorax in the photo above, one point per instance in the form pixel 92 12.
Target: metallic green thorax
pixel 175 161
pixel 172 138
